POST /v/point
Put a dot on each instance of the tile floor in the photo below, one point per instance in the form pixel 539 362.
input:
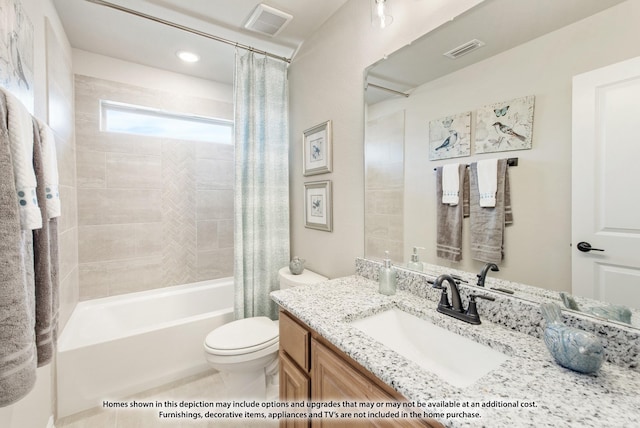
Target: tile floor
pixel 207 387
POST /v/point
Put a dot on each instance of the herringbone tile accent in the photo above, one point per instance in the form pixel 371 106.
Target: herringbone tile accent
pixel 179 233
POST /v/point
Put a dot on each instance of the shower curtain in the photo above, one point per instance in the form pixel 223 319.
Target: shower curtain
pixel 261 229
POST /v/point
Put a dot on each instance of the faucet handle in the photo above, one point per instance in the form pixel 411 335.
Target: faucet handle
pixel 472 310
pixel 473 297
pixel 444 297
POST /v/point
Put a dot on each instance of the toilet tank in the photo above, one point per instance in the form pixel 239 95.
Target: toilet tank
pixel 288 280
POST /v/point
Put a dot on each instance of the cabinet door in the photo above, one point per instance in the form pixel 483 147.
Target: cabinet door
pixel 295 385
pixel 336 380
pixel 332 378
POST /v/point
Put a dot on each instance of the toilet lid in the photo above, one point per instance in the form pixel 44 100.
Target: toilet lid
pixel 246 335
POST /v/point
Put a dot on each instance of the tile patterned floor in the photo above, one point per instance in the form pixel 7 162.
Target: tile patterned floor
pixel 207 387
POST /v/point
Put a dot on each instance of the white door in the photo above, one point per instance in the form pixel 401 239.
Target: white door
pixel 606 184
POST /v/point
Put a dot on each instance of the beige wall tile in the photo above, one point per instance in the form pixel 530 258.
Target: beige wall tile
pixel 91 169
pixel 119 276
pixel 207 235
pixel 148 239
pixel 215 264
pixel 69 209
pixel 214 174
pixel 225 233
pixel 66 156
pixel 106 242
pixel 68 246
pixel 69 295
pixel 206 150
pixel 214 204
pixel 90 138
pixel 111 206
pixel 130 171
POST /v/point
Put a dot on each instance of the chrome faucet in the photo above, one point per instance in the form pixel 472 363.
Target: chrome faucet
pixel 483 273
pixel 455 309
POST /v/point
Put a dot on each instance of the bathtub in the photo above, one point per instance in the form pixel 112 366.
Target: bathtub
pixel 121 345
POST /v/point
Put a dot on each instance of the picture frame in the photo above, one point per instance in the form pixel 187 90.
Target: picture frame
pixel 449 137
pixel 505 126
pixel 318 211
pixel 317 149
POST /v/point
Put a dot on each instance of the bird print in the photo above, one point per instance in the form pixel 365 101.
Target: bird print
pixel 449 141
pixel 500 111
pixel 505 131
pixel 17 61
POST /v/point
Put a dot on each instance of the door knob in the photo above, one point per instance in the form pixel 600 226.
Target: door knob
pixel 585 247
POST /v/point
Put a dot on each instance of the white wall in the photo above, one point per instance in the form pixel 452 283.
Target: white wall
pixel 107 68
pixel 537 246
pixel 35 409
pixel 326 81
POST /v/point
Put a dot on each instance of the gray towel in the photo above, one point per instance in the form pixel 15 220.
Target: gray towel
pixel 17 341
pixel 487 224
pixel 43 262
pixel 449 220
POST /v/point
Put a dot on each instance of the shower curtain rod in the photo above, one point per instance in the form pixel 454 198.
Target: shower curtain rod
pixel 393 91
pixel 187 29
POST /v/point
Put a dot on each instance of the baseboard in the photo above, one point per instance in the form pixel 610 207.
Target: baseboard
pixel 51 423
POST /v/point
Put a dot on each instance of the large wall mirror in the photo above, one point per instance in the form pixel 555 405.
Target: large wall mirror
pixel 529 48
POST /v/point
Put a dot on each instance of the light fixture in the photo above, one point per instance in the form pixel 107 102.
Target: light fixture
pixel 381 13
pixel 188 56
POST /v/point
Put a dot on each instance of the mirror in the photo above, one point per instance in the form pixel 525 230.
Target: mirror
pixel 530 48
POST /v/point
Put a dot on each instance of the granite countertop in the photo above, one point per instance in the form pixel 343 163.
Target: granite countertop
pixel 562 398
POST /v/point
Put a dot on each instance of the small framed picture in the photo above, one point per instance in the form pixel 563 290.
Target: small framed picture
pixel 317 205
pixel 316 151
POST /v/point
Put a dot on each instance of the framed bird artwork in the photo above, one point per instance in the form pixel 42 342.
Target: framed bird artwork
pixel 505 126
pixel 450 136
pixel 16 52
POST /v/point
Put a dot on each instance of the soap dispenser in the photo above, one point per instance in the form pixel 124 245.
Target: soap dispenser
pixel 387 277
pixel 415 263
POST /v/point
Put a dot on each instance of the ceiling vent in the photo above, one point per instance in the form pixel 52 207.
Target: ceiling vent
pixel 267 20
pixel 464 49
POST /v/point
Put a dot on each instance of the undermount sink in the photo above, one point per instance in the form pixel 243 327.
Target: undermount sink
pixel 455 359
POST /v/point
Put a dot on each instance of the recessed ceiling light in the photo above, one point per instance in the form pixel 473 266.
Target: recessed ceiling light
pixel 188 56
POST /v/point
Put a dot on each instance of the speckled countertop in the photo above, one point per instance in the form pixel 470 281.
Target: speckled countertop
pixel 563 398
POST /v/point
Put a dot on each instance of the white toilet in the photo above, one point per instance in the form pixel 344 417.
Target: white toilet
pixel 245 352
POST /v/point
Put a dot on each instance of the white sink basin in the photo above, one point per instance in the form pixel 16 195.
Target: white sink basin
pixel 455 359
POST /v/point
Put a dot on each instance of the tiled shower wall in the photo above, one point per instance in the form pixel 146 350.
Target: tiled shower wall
pixel 60 119
pixel 384 187
pixel 152 212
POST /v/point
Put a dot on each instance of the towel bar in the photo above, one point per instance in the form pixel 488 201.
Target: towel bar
pixel 510 162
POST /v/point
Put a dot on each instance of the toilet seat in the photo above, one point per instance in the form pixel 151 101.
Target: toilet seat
pixel 242 337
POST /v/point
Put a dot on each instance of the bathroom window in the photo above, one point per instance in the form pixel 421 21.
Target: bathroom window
pixel 132 119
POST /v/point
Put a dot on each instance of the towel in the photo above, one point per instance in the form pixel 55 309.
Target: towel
pixel 45 311
pixel 50 170
pixel 451 184
pixel 20 129
pixel 449 220
pixel 17 342
pixel 488 223
pixel 488 182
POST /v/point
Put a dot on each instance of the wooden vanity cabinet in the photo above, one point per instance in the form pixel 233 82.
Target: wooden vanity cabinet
pixel 313 369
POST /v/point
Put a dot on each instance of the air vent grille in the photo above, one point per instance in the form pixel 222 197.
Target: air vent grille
pixel 267 20
pixel 464 49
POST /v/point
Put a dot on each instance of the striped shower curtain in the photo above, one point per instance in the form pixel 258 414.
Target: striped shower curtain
pixel 261 230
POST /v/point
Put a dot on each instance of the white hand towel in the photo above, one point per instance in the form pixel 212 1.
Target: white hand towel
pixel 488 182
pixel 20 126
pixel 451 184
pixel 50 167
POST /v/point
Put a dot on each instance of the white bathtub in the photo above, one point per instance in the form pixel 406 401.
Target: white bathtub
pixel 118 346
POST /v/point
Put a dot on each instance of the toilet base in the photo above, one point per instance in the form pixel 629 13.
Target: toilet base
pixel 259 383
